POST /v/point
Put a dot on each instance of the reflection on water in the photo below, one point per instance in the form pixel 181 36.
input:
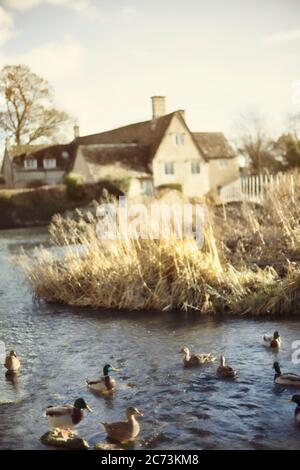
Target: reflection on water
pixel 183 408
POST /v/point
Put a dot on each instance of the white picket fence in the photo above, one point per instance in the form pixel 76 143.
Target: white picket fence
pixel 253 188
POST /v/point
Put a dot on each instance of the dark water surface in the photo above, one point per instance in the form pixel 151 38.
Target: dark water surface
pixel 183 409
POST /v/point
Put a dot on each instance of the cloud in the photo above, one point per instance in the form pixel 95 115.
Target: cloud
pixel 6 26
pixel 282 38
pixel 23 5
pixel 55 61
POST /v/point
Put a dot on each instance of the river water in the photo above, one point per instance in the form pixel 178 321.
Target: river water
pixel 183 408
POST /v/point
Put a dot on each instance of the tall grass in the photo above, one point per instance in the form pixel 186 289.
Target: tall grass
pixel 173 274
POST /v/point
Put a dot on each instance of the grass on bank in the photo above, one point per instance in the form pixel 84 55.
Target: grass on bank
pixel 223 277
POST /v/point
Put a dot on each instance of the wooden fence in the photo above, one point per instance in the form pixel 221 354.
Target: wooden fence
pixel 253 188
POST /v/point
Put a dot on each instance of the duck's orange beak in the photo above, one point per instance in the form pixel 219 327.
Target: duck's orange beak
pixel 89 409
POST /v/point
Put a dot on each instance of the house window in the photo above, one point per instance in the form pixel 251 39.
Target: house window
pixel 169 168
pixel 30 164
pixel 49 163
pixel 195 168
pixel 223 163
pixel 65 154
pixel 179 139
pixel 147 187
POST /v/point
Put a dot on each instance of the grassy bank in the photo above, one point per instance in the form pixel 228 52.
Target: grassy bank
pixel 248 264
pixel 34 207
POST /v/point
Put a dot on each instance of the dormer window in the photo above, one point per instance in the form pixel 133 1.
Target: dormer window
pixel 49 163
pixel 179 139
pixel 65 154
pixel 30 164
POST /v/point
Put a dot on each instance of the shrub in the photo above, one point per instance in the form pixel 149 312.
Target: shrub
pixel 170 187
pixel 5 198
pixel 35 184
pixel 74 185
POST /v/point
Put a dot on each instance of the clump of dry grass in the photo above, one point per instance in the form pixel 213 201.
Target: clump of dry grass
pixel 135 274
pixel 174 274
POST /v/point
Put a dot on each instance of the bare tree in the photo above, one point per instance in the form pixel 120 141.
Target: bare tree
pixel 254 144
pixel 27 112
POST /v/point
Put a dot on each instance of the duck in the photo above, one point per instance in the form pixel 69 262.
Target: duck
pixel 12 362
pixel 273 342
pixel 124 431
pixel 285 379
pixel 196 359
pixel 105 385
pixel 63 419
pixel 296 399
pixel 225 371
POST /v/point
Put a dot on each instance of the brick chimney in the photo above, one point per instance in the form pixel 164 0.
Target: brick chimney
pixel 158 106
pixel 76 131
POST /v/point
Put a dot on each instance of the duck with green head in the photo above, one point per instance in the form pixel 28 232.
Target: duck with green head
pixel 290 379
pixel 296 399
pixel 105 385
pixel 64 418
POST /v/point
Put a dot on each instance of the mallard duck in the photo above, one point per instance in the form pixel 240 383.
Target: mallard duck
pixel 105 385
pixel 196 359
pixel 225 371
pixel 296 399
pixel 273 342
pixel 66 417
pixel 285 379
pixel 124 431
pixel 12 362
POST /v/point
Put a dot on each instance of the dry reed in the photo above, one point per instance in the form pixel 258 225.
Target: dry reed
pixel 174 274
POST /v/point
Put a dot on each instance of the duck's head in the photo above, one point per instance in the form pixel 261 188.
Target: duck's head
pixel 132 411
pixel 108 368
pixel 184 350
pixel 295 399
pixel 13 354
pixel 276 335
pixel 82 405
pixel 276 367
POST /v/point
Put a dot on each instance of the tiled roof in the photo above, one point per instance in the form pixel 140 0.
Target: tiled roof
pixel 214 145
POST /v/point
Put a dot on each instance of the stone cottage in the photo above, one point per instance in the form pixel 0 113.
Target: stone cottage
pixel 160 152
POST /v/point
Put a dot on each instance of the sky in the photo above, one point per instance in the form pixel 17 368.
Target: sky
pixel 214 58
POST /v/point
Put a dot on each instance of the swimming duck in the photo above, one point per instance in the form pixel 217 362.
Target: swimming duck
pixel 273 342
pixel 285 379
pixel 64 418
pixel 12 362
pixel 296 399
pixel 196 359
pixel 225 371
pixel 124 431
pixel 106 385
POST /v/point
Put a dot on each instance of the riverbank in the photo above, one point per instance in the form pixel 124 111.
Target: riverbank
pixel 249 264
pixel 36 207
